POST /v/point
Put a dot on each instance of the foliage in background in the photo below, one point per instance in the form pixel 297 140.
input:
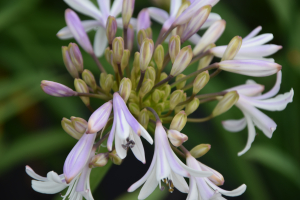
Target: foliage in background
pixel 30 131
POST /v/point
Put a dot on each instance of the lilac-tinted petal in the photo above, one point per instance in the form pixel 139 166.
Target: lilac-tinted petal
pixel 217 196
pixel 254 58
pixel 99 117
pixel 85 7
pixel 174 7
pixel 216 178
pixel 251 89
pixel 146 135
pixel 195 39
pixel 234 125
pixel 133 22
pixel 251 134
pixel 122 127
pixel 100 42
pixel 143 20
pixel 259 40
pixel 138 149
pixel 122 153
pixel 149 186
pixel 218 51
pixel 116 8
pixel 193 191
pixel 34 175
pixel 88 25
pixel 158 15
pixel 54 177
pixel 233 193
pixel 210 20
pixel 205 191
pixel 111 136
pixel 162 166
pixel 81 184
pixel 274 90
pixel 179 182
pixel 258 51
pixel 253 33
pixel 47 187
pixel 104 7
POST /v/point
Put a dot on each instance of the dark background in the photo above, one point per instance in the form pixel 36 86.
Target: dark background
pixel 30 131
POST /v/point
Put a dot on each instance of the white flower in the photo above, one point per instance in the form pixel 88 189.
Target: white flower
pixel 248 104
pixel 252 47
pixel 126 131
pixel 205 188
pixel 86 7
pixel 165 166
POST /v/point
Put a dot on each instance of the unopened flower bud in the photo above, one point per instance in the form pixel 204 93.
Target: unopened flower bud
pixel 147 103
pixel 150 73
pixel 206 60
pixel 76 56
pixel 141 36
pixel 146 87
pixel 177 138
pixel 179 108
pixel 182 84
pixel 130 37
pixel 167 90
pixel 99 160
pixel 106 81
pixel 182 60
pixel 175 98
pixel 107 54
pixel 99 118
pixel 111 29
pixel 115 86
pixel 89 78
pixel 174 47
pixel 79 124
pixel 118 48
pixel 69 128
pixel 81 87
pixel 115 158
pixel 226 103
pixel 200 81
pixel 146 53
pixel 133 97
pixel 56 89
pixel 192 106
pixel 134 109
pixel 156 96
pixel 200 150
pixel 159 55
pixel 125 88
pixel 160 107
pixel 179 121
pixel 232 48
pixel 125 59
pixel 68 62
pixel 127 10
pixel 149 32
pixel 144 118
pixel 136 62
pixel 163 76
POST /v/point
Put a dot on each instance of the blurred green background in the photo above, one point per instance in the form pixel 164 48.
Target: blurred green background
pixel 30 131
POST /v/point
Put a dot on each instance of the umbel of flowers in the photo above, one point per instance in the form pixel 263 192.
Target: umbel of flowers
pixel 141 97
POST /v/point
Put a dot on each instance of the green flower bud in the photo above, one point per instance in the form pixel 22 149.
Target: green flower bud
pixel 144 118
pixel 99 160
pixel 167 105
pixel 159 55
pixel 107 54
pixel 200 81
pixel 89 78
pixel 76 56
pixel 156 96
pixel 125 59
pixel 115 86
pixel 182 84
pixel 79 124
pixel 125 88
pixel 167 90
pixel 69 128
pixel 106 81
pixel 133 97
pixel 134 109
pixel 150 73
pixel 127 10
pixel 162 77
pixel 81 87
pixel 68 62
pixel 206 60
pixel 192 106
pixel 179 108
pixel 225 103
pixel 182 60
pixel 136 62
pixel 160 107
pixel 176 138
pixel 141 36
pixel 147 103
pixel 175 98
pixel 111 29
pixel 146 52
pixel 118 48
pixel 174 47
pixel 146 87
pixel 200 150
pixel 115 158
pixel 149 32
pixel 179 121
pixel 232 48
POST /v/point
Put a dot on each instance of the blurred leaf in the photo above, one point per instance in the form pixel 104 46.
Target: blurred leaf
pixel 277 160
pixel 98 174
pixel 157 194
pixel 283 10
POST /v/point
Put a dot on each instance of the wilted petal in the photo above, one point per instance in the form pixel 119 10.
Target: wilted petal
pixel 88 25
pixel 234 125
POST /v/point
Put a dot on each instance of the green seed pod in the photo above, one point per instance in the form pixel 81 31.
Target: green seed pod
pixel 141 36
pixel 200 81
pixel 192 106
pixel 167 90
pixel 225 103
pixel 81 87
pixel 179 121
pixel 156 96
pixel 147 103
pixel 206 60
pixel 133 97
pixel 182 84
pixel 69 128
pixel 115 86
pixel 144 118
pixel 89 78
pixel 160 107
pixel 179 108
pixel 149 32
pixel 107 54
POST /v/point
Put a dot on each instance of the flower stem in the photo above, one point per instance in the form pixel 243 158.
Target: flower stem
pixel 120 71
pixel 154 113
pixel 98 63
pixel 187 101
pixel 199 56
pixel 177 151
pixel 140 82
pixel 164 36
pixel 215 73
pixel 125 37
pixel 99 96
pixel 185 151
pixel 166 115
pixel 202 96
pixel 199 119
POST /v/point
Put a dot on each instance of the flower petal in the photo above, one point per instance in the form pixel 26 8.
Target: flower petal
pixel 179 182
pixel 195 38
pixel 34 175
pixel 100 42
pixel 174 7
pixel 233 193
pixel 122 126
pixel 258 51
pixel 216 178
pixel 210 20
pixel 54 177
pixel 158 14
pixel 104 7
pixel 193 191
pixel 149 186
pixel 252 33
pixel 118 144
pixel 111 136
pixel 116 8
pixel 47 187
pixel 234 125
pixel 259 40
pixel 138 149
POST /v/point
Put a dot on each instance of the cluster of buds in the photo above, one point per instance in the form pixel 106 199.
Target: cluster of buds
pixel 144 96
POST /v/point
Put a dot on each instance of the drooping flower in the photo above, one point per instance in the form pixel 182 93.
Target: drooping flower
pixel 100 16
pixel 253 47
pixel 166 167
pixel 250 99
pixel 126 131
pixel 205 188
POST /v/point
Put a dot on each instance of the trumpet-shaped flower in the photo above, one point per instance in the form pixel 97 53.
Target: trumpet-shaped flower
pixel 248 104
pixel 206 188
pixel 100 16
pixel 166 167
pixel 253 47
pixel 126 131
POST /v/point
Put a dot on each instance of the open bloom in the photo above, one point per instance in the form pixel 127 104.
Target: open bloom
pixel 86 7
pixel 248 103
pixel 126 131
pixel 205 188
pixel 253 47
pixel 165 167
